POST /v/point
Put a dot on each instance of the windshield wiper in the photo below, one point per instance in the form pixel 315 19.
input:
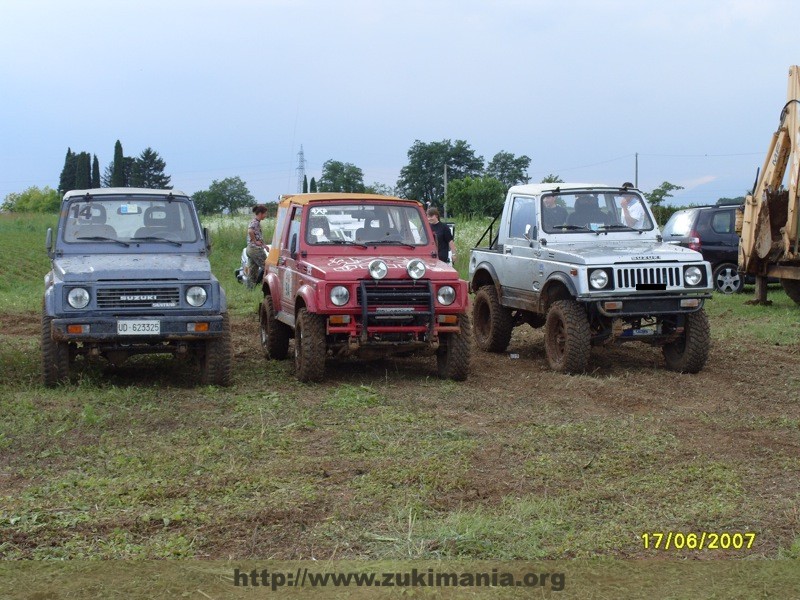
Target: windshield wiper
pixel 153 238
pixel 621 227
pixel 571 227
pixel 390 243
pixel 102 238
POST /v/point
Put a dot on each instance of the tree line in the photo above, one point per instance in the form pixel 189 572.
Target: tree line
pixel 444 173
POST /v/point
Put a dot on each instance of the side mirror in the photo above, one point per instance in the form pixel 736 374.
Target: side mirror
pixel 207 238
pixel 293 246
pixel 48 242
pixel 531 232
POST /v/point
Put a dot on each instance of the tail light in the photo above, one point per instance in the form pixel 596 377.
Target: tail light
pixel 694 241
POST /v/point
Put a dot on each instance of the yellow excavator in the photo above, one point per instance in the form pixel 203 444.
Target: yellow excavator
pixel 769 245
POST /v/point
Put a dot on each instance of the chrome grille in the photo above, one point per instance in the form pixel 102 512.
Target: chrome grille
pixel 630 277
pixel 143 297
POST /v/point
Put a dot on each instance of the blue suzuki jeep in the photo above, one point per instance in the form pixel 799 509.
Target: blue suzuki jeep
pixel 130 275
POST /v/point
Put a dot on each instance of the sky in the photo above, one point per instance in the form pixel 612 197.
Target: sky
pixel 602 91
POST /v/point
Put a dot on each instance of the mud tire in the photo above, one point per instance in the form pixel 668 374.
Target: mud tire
pixel 567 338
pixel 55 356
pixel 274 334
pixel 309 346
pixel 455 350
pixel 491 321
pixel 216 364
pixel 690 353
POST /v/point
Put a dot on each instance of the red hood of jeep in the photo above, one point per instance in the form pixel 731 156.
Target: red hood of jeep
pixel 348 268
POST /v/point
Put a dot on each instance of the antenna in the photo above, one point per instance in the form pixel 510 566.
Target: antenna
pixel 301 169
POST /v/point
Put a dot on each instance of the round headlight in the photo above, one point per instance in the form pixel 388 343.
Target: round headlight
pixel 78 298
pixel 692 276
pixel 598 279
pixel 378 269
pixel 196 296
pixel 446 295
pixel 340 295
pixel 416 269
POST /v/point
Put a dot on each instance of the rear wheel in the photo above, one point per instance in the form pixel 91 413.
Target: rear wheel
pixel 274 334
pixel 216 365
pixel 727 279
pixel 452 357
pixel 792 289
pixel 492 321
pixel 690 353
pixel 55 356
pixel 309 346
pixel 567 338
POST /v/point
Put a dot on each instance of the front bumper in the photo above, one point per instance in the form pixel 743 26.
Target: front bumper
pixel 104 329
pixel 642 306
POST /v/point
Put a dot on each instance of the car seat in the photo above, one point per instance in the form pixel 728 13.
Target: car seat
pixel 159 220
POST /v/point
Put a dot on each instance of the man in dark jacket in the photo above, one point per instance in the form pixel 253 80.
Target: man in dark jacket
pixel 444 239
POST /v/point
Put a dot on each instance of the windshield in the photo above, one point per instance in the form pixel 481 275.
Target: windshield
pixel 130 220
pixel 679 224
pixel 366 224
pixel 580 212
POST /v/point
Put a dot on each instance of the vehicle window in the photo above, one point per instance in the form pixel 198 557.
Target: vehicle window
pixel 294 228
pixel 723 222
pixel 579 212
pixel 365 223
pixel 679 224
pixel 522 215
pixel 143 220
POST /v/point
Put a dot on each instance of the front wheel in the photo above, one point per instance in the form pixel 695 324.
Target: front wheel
pixel 567 338
pixel 727 279
pixel 216 365
pixel 689 353
pixel 792 289
pixel 274 334
pixel 453 355
pixel 493 322
pixel 55 356
pixel 309 346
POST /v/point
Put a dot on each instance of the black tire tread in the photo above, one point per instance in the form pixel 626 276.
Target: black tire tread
pixel 690 353
pixel 274 334
pixel 577 343
pixel 310 348
pixel 453 356
pixel 217 364
pixel 492 334
pixel 55 356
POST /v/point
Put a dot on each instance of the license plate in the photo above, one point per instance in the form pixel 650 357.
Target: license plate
pixel 138 327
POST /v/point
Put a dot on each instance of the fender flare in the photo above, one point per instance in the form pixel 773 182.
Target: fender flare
pixel 308 296
pixel 488 268
pixel 555 278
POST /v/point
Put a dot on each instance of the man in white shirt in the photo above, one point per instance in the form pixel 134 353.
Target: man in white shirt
pixel 632 211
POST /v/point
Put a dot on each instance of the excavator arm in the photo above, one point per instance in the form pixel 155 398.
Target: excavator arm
pixel 769 229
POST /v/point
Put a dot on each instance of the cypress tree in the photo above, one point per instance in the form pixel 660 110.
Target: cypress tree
pixel 313 187
pixel 95 172
pixel 67 180
pixel 305 184
pixel 118 173
pixel 83 171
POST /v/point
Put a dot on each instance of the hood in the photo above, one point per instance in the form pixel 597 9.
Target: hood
pixel 357 267
pixel 129 267
pixel 627 251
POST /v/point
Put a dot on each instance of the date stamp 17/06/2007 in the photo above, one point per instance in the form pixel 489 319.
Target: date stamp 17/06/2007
pixel 702 540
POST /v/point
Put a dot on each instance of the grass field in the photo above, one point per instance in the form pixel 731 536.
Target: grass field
pixel 383 460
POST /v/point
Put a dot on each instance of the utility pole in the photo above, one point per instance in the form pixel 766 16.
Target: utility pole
pixel 444 200
pixel 301 169
pixel 636 172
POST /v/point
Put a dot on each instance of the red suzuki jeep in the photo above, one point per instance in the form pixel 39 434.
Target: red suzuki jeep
pixel 357 274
